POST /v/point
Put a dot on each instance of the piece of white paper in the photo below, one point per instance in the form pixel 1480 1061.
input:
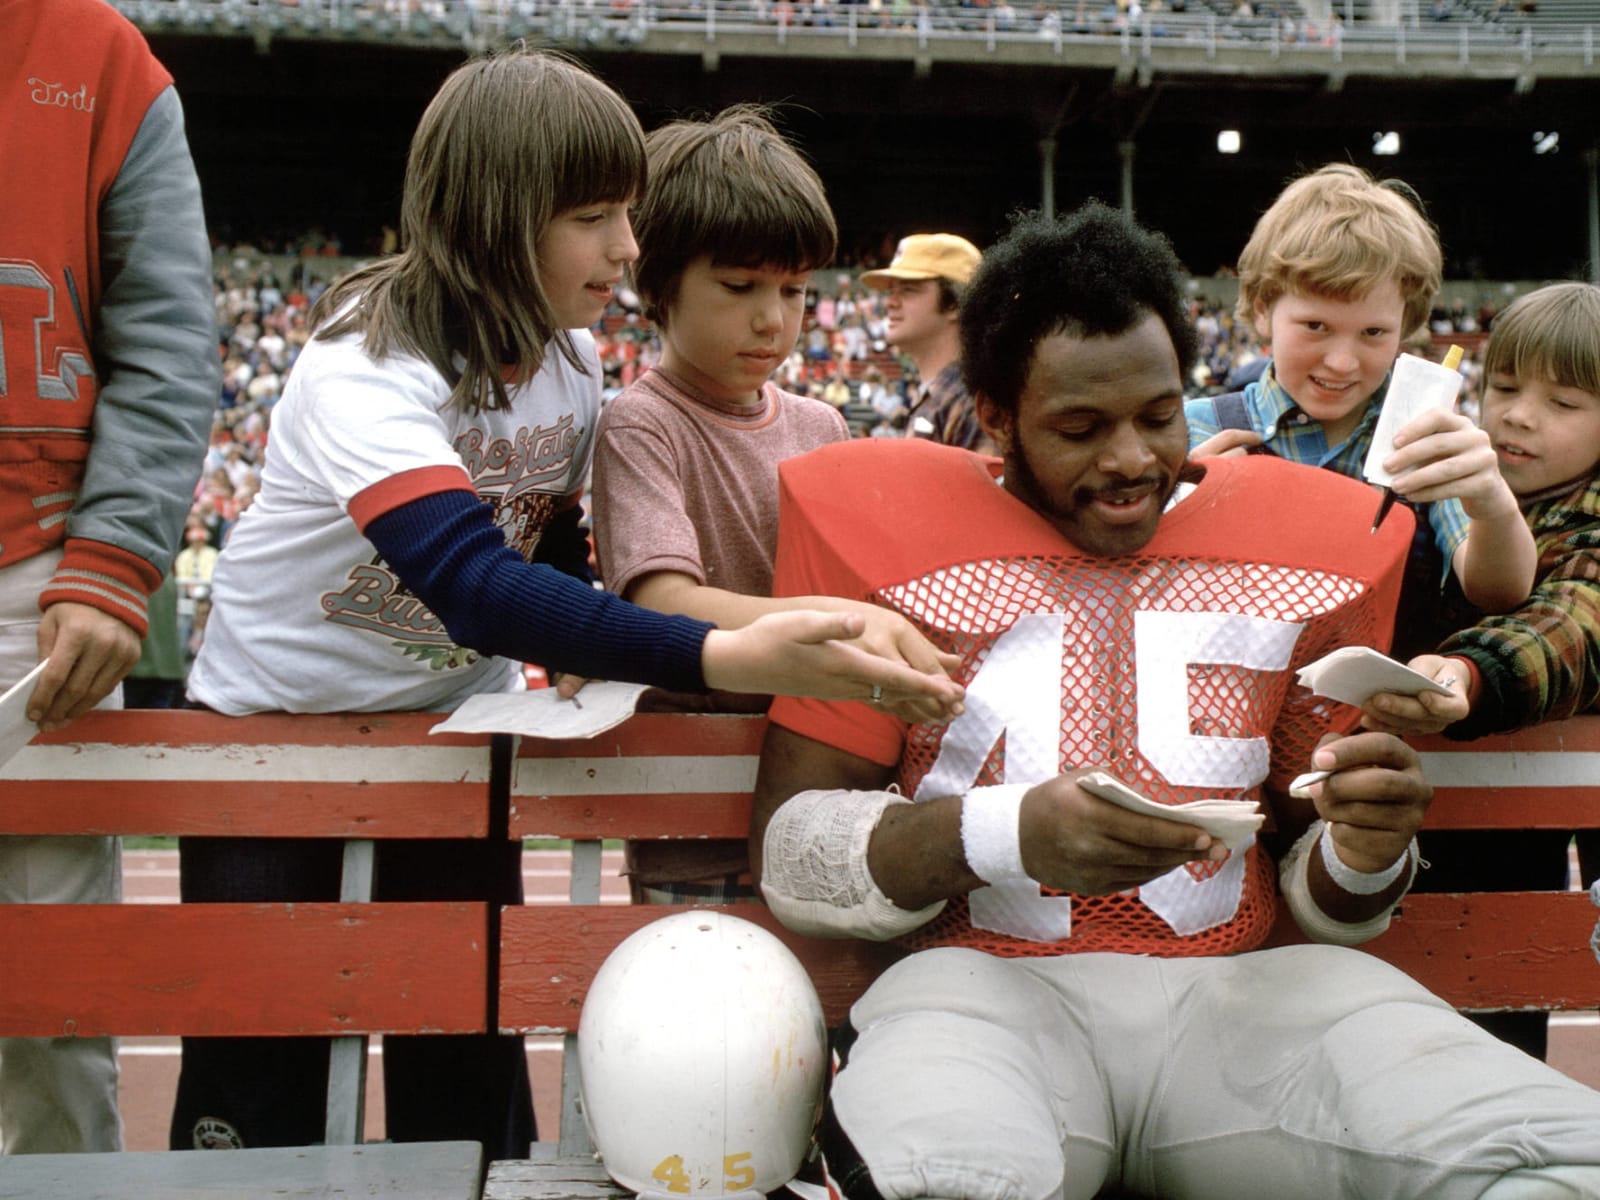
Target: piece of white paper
pixel 1354 674
pixel 1229 821
pixel 542 713
pixel 16 731
pixel 1415 386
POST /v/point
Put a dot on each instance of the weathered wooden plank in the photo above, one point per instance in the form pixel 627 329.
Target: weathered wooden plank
pixel 549 955
pixel 1515 807
pixel 566 1178
pixel 243 969
pixel 1494 951
pixel 639 817
pixel 656 734
pixel 375 776
pixel 657 775
pixel 265 808
pixel 1489 952
pixel 399 1171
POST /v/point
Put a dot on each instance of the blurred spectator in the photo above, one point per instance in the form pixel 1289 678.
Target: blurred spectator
pixel 924 282
pixel 837 390
pixel 192 572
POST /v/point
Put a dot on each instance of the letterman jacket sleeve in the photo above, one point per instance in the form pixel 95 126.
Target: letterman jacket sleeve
pixel 155 351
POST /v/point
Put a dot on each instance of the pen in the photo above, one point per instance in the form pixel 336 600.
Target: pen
pixel 1384 506
pixel 1452 361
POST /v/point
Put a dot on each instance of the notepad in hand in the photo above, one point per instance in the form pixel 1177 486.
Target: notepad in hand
pixel 1231 822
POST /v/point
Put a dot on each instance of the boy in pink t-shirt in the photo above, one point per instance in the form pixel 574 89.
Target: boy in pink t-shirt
pixel 730 228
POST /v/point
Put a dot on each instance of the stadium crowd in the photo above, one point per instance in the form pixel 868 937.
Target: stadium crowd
pixel 843 357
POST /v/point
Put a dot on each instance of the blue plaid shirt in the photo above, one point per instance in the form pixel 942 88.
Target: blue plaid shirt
pixel 1292 433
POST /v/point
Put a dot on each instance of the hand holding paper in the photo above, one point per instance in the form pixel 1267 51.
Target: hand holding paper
pixel 1231 822
pixel 1415 386
pixel 1354 674
pixel 16 731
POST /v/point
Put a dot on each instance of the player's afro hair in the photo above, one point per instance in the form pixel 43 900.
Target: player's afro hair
pixel 1092 273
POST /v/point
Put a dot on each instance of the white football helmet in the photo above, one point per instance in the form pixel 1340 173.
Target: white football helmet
pixel 702 1051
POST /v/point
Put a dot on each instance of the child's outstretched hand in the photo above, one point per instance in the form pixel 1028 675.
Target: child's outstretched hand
pixel 889 635
pixel 568 685
pixel 1441 455
pixel 803 652
pixel 1426 712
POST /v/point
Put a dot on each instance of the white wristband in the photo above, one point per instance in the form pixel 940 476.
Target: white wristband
pixel 1362 883
pixel 989 834
pixel 1313 922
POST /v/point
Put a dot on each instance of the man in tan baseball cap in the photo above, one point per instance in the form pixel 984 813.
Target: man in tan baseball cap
pixel 925 280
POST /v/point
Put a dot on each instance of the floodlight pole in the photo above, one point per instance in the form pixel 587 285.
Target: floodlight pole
pixel 1047 176
pixel 1125 151
pixel 1591 163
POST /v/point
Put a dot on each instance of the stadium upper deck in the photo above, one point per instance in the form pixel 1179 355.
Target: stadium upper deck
pixel 1333 39
pixel 951 115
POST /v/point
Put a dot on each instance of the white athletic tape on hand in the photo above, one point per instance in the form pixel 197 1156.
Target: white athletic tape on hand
pixel 989 835
pixel 815 876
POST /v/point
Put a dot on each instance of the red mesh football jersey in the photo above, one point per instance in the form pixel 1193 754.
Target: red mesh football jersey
pixel 1173 668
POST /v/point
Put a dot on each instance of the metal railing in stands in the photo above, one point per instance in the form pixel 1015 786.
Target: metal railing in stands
pixel 1065 31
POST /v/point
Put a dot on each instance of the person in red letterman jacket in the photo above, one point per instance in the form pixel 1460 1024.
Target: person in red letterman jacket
pixel 108 379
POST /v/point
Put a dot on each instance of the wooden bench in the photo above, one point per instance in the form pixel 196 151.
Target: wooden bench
pixel 355 968
pixel 346 969
pixel 685 777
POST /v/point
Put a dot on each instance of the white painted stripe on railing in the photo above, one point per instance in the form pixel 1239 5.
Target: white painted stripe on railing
pixel 1512 768
pixel 252 763
pixel 171 1048
pixel 737 773
pixel 638 776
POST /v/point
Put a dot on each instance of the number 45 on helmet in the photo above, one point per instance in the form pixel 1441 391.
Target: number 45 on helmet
pixel 702 1051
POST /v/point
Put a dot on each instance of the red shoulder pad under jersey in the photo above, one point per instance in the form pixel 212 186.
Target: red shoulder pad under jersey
pixel 1266 509
pixel 864 513
pixel 857 516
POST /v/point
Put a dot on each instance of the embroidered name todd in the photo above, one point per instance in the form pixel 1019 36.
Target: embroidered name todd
pixel 60 95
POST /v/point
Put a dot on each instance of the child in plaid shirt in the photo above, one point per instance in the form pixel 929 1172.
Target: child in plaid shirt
pixel 1541 661
pixel 1541 411
pixel 1338 271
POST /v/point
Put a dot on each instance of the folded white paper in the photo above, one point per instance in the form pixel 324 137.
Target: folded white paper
pixel 1229 821
pixel 16 731
pixel 1354 674
pixel 542 713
